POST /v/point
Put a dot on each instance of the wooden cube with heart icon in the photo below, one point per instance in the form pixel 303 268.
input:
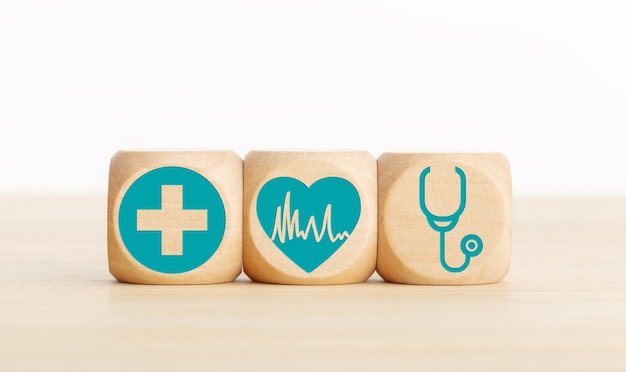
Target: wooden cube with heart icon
pixel 310 217
pixel 444 218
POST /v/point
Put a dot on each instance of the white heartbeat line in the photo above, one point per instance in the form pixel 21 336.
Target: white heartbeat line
pixel 289 224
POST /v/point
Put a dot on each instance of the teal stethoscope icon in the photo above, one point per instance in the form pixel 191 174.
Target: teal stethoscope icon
pixel 471 245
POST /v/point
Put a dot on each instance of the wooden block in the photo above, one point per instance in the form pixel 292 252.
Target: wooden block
pixel 175 217
pixel 310 217
pixel 444 218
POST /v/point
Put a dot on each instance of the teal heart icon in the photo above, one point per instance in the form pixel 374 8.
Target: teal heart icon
pixel 308 224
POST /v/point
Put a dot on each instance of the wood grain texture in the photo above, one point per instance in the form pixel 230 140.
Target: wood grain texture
pixel 562 307
pixel 223 169
pixel 463 199
pixel 355 260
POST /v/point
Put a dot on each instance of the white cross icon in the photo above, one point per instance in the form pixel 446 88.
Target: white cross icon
pixel 172 220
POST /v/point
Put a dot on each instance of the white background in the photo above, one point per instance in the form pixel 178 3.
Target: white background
pixel 542 82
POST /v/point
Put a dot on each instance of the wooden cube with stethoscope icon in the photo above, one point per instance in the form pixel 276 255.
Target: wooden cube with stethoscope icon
pixel 444 218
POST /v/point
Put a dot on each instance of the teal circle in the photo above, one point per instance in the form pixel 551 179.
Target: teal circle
pixel 471 245
pixel 198 246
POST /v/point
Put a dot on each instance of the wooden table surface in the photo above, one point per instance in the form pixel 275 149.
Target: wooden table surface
pixel 561 307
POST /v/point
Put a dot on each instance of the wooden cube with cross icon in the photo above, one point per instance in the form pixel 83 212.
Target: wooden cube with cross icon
pixel 174 217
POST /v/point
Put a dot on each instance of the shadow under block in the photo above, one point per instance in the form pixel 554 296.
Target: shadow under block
pixel 175 217
pixel 309 217
pixel 444 219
